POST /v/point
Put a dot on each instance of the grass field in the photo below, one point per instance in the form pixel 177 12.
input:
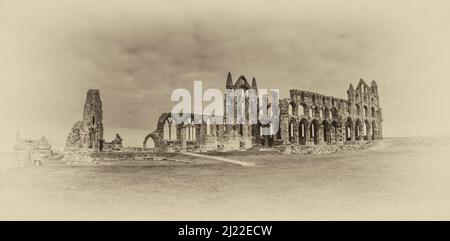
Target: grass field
pixel 400 178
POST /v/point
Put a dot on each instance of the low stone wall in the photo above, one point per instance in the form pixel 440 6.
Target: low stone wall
pixel 321 149
pixel 78 157
pixel 103 158
pixel 107 158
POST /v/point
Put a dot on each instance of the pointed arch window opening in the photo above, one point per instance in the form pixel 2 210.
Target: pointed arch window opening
pixel 291 131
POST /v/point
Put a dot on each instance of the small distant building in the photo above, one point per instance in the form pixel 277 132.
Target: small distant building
pixel 35 145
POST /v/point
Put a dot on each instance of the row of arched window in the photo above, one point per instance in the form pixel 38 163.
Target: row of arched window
pixel 365 112
pixel 362 131
pixel 169 130
pixel 323 99
pixel 314 111
pixel 324 112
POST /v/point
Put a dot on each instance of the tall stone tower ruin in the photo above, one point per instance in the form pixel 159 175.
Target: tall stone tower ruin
pixel 88 133
pixel 93 120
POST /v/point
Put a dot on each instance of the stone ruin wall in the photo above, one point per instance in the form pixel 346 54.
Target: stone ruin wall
pixel 306 119
pixel 93 121
pixel 219 137
pixel 87 134
pixel 338 120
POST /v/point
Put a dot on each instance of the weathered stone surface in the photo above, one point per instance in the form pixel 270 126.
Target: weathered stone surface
pixel 74 139
pixel 79 157
pixel 306 119
pixel 88 133
pixel 93 120
pixel 115 145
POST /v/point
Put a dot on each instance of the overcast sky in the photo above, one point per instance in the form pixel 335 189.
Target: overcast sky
pixel 137 52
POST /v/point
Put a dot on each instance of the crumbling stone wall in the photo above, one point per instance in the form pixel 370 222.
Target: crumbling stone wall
pixel 208 136
pixel 306 119
pixel 88 133
pixel 76 135
pixel 114 145
pixel 337 120
pixel 93 120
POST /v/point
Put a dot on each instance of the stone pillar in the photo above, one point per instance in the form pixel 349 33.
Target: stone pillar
pixel 295 135
pixel 308 140
pixel 333 134
pixel 244 130
pixel 183 137
pixel 341 135
pixel 320 137
pixel 380 132
pixel 360 135
pixel 266 141
pixel 199 133
pixel 284 128
pixel 352 132
pixel 189 133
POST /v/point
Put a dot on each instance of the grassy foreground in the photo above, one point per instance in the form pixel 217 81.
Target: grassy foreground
pixel 401 178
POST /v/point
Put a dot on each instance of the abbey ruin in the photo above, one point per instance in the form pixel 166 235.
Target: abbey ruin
pixel 87 134
pixel 307 119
